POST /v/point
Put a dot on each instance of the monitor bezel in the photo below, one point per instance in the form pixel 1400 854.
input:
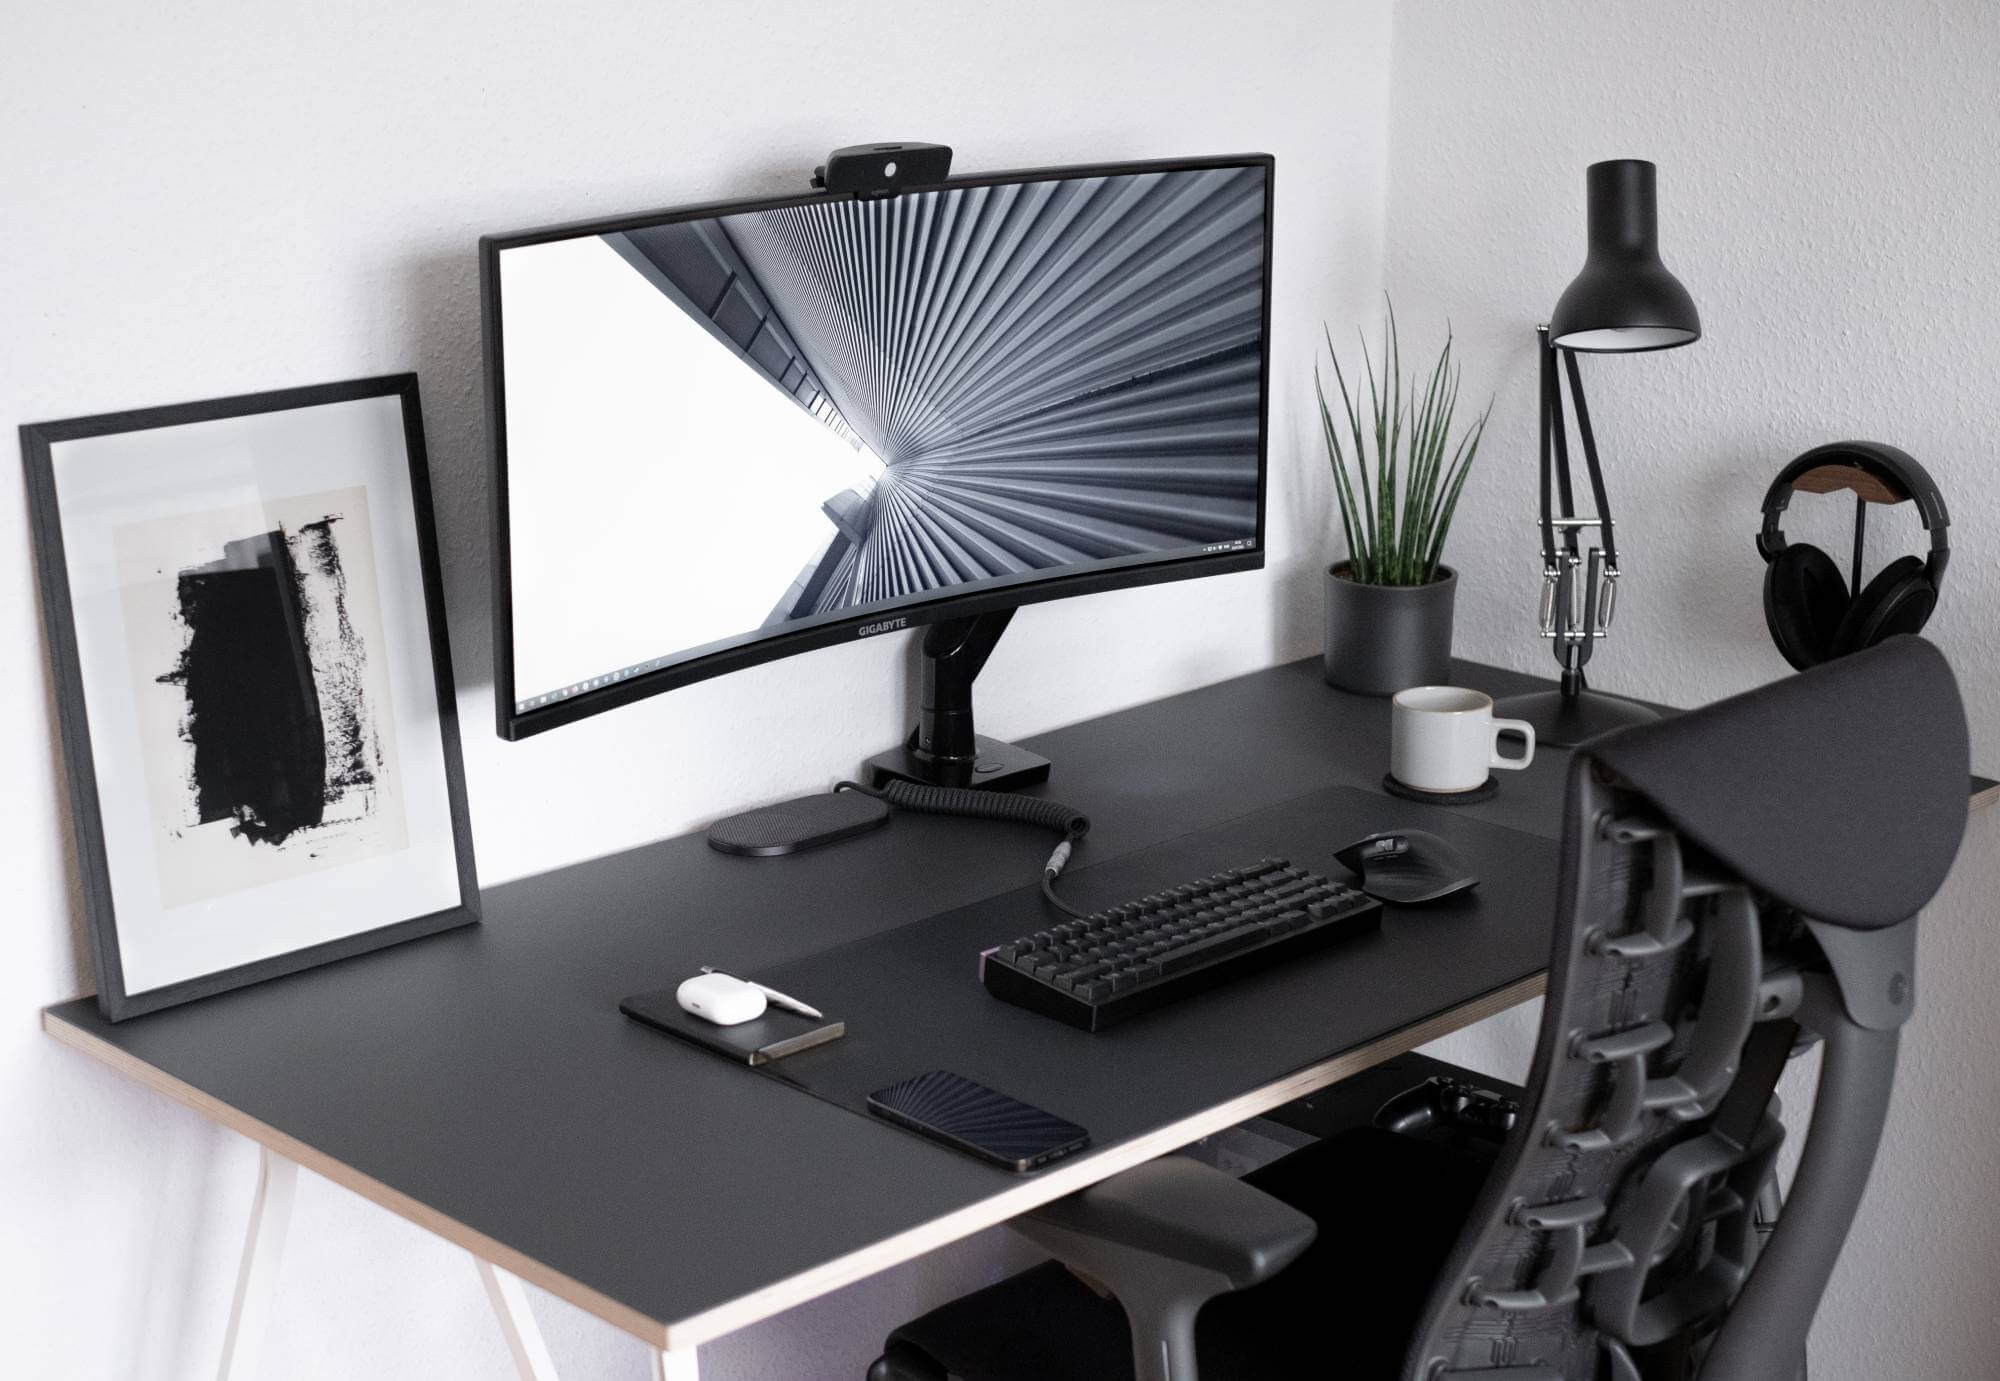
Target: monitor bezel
pixel 514 724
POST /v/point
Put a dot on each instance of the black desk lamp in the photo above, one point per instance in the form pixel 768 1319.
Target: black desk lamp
pixel 1623 301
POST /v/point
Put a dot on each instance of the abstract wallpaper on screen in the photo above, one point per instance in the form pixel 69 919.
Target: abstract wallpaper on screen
pixel 1050 374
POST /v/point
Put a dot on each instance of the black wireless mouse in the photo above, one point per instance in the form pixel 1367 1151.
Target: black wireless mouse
pixel 1407 867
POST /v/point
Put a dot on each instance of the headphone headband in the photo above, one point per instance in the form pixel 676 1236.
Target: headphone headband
pixel 1884 462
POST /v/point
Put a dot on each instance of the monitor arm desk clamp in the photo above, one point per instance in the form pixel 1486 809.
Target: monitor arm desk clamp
pixel 943 750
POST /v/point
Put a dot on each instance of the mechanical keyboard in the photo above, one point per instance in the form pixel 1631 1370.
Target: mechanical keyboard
pixel 1098 970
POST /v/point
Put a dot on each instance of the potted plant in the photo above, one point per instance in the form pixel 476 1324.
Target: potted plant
pixel 1388 605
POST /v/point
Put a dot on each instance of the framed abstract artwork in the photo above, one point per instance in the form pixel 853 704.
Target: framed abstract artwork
pixel 246 622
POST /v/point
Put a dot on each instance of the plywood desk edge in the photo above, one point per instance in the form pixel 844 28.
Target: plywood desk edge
pixel 781 1295
pixel 1985 791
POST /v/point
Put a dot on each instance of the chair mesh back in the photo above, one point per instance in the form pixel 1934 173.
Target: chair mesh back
pixel 1621 1220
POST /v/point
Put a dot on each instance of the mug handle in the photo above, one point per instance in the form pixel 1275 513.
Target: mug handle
pixel 1519 726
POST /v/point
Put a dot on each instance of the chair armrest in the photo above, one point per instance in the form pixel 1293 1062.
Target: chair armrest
pixel 1184 1211
pixel 1165 1237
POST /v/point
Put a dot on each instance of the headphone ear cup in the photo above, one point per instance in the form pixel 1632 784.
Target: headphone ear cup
pixel 1898 600
pixel 1805 603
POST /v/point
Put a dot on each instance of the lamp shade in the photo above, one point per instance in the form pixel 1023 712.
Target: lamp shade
pixel 1624 300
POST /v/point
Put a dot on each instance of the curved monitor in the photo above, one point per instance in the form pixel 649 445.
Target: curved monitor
pixel 735 432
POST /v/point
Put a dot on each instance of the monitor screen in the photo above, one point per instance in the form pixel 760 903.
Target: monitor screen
pixel 727 434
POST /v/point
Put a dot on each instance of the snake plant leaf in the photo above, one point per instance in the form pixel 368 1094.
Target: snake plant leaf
pixel 1399 466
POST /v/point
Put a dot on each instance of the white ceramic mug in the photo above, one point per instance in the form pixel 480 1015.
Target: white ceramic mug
pixel 1445 738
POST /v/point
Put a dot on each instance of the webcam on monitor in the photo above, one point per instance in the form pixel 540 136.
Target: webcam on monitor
pixel 883 170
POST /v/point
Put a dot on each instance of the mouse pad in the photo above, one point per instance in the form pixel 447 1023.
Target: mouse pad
pixel 912 999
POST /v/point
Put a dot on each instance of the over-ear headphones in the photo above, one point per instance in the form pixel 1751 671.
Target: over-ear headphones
pixel 1815 615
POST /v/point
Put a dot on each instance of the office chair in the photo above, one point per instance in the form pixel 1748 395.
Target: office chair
pixel 1737 882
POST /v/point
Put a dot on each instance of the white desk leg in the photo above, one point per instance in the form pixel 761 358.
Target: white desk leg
pixel 678 1365
pixel 257 1278
pixel 517 1322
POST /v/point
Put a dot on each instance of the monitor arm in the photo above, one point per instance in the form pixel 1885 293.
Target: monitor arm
pixel 943 750
pixel 954 654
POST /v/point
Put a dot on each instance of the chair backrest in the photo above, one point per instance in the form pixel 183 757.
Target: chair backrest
pixel 1733 879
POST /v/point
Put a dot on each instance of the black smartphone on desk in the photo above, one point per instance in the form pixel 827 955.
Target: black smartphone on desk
pixel 975 1119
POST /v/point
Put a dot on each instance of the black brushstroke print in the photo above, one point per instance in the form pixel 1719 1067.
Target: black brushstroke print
pixel 253 712
pixel 274 674
pixel 349 735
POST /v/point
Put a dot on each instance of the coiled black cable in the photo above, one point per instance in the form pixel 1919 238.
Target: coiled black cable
pixel 1067 821
pixel 1070 822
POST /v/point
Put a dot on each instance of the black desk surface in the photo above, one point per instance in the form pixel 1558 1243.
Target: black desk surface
pixel 924 1011
pixel 483 1083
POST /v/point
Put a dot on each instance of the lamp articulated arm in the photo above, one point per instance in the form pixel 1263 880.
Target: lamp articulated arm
pixel 1573 619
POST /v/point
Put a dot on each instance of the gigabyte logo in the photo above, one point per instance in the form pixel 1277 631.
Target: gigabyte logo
pixel 869 630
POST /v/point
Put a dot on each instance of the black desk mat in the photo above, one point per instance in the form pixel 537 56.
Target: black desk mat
pixel 912 1000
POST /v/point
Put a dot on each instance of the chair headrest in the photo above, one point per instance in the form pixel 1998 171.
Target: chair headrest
pixel 1841 791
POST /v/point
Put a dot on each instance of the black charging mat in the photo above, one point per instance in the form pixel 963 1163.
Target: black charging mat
pixel 790 826
pixel 912 1000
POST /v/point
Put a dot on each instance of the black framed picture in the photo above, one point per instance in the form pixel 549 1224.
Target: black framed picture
pixel 246 622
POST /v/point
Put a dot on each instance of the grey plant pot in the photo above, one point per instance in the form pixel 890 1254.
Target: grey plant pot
pixel 1384 638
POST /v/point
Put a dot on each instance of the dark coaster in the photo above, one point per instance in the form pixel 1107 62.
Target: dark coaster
pixel 1485 791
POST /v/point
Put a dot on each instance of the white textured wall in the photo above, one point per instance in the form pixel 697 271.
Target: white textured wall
pixel 211 197
pixel 1828 193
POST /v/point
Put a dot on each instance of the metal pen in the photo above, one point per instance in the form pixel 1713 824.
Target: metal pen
pixel 776 998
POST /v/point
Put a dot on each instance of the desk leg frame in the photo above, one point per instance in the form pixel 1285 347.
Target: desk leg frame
pixel 517 1322
pixel 676 1365
pixel 257 1289
pixel 531 1354
pixel 257 1277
